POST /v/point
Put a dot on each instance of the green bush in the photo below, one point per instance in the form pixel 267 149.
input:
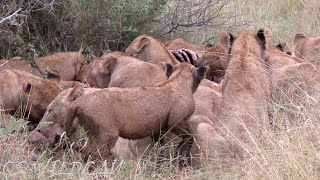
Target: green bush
pixel 63 25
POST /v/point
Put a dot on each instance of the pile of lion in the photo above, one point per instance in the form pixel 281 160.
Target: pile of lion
pixel 202 100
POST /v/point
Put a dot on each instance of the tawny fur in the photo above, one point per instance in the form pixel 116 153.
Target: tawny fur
pixel 70 65
pixel 295 88
pixel 135 113
pixel 275 58
pixel 203 120
pixel 208 143
pixel 14 93
pixel 217 58
pixel 52 123
pixel 293 81
pixel 54 76
pixel 124 71
pixel 51 126
pixel 307 48
pixel 151 50
pixel 19 64
pixel 207 101
pixel 246 91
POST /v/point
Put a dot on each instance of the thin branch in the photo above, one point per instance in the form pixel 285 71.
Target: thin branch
pixel 187 16
pixel 11 16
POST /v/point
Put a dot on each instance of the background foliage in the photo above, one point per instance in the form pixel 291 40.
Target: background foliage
pixel 43 27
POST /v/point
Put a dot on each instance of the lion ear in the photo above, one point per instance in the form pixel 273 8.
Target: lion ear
pixel 208 45
pixel 54 76
pixel 75 93
pixel 27 87
pixel 108 64
pixel 226 39
pixel 298 38
pixel 168 68
pixel 142 43
pixel 282 46
pixel 200 72
pixel 264 35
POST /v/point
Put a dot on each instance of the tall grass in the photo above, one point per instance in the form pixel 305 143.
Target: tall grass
pixel 284 18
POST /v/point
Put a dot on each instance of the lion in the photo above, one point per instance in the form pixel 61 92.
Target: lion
pixel 72 66
pixel 51 126
pixel 209 143
pixel 307 48
pixel 295 91
pixel 246 91
pixel 68 64
pixel 275 56
pixel 125 71
pixel 25 93
pixel 54 76
pixel 135 113
pixel 294 85
pixel 217 57
pixel 18 63
pixel 149 49
pixel 207 101
pixel 203 121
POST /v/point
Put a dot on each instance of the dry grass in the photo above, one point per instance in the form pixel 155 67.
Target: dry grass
pixel 290 152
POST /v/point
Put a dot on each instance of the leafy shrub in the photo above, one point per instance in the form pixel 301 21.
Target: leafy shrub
pixel 64 25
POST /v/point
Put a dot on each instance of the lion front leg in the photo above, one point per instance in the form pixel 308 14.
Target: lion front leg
pixel 182 129
pixel 99 149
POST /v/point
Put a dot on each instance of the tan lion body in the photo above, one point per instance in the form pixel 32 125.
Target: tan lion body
pixel 18 64
pixel 296 89
pixel 124 71
pixel 277 58
pixel 52 123
pixel 307 48
pixel 207 102
pixel 70 65
pixel 151 50
pixel 163 107
pixel 246 91
pixel 217 58
pixel 14 92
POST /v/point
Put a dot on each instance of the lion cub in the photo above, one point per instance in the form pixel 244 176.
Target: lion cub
pixel 135 113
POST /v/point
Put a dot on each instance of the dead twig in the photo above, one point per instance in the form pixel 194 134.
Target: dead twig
pixel 12 18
